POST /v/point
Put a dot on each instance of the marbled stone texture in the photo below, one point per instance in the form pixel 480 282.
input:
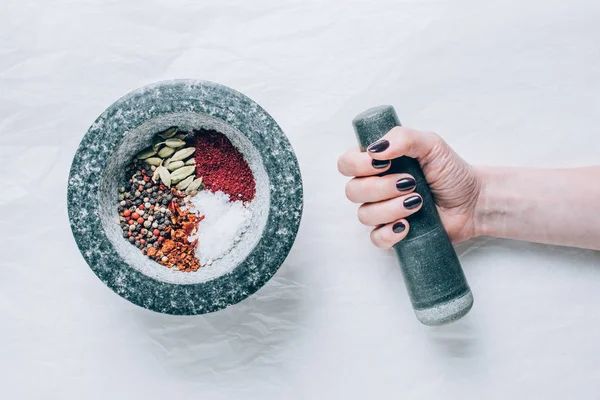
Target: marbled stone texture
pixel 129 124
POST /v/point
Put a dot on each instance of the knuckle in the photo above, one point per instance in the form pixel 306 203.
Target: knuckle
pixel 351 191
pixel 375 238
pixel 379 239
pixel 363 214
pixel 342 165
pixel 435 136
pixel 339 165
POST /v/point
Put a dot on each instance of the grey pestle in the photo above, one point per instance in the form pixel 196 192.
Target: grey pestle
pixel 434 278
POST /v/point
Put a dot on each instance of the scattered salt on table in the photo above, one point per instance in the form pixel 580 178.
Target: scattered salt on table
pixel 224 223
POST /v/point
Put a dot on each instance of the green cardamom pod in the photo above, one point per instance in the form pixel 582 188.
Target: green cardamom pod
pixel 155 176
pixel 168 133
pixel 166 152
pixel 149 152
pixel 175 143
pixel 180 136
pixel 153 161
pixel 156 143
pixel 195 185
pixel 183 154
pixel 165 177
pixel 182 173
pixel 185 183
pixel 174 165
pixel 191 161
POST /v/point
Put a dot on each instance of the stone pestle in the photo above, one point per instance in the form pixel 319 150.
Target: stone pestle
pixel 434 278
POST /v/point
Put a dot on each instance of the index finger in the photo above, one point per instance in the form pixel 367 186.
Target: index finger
pixel 357 163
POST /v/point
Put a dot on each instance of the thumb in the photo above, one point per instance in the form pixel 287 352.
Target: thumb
pixel 401 141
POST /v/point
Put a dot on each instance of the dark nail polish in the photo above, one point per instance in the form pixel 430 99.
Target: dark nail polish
pixel 379 164
pixel 378 146
pixel 412 202
pixel 405 184
pixel 398 227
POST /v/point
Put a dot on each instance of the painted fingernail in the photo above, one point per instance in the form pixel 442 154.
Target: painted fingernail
pixel 412 202
pixel 398 227
pixel 378 146
pixel 379 164
pixel 405 184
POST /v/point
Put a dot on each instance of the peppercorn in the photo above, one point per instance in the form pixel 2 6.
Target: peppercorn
pixel 131 239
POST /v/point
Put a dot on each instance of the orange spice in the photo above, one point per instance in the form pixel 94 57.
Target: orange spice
pixel 178 252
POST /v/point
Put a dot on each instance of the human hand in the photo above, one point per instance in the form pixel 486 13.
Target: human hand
pixel 389 199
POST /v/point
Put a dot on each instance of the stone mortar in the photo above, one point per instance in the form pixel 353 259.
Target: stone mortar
pixel 128 126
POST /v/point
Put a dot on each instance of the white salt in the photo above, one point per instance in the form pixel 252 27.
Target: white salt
pixel 222 227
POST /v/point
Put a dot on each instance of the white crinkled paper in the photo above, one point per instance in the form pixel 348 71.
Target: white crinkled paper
pixel 505 82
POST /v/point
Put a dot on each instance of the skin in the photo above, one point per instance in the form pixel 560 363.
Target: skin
pixel 552 206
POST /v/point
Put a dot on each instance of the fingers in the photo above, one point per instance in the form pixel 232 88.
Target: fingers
pixel 383 212
pixel 388 235
pixel 401 141
pixel 377 188
pixel 356 163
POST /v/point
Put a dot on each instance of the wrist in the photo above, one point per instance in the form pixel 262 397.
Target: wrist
pixel 492 204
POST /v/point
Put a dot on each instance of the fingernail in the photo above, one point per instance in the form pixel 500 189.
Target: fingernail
pixel 398 227
pixel 405 184
pixel 379 164
pixel 412 202
pixel 378 146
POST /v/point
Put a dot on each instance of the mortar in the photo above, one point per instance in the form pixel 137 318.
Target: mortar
pixel 129 126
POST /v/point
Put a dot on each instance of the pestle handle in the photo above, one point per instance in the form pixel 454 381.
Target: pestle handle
pixel 434 278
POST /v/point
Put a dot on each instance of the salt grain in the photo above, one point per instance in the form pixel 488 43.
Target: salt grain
pixel 224 223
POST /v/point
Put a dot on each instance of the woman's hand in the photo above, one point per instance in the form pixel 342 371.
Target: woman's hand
pixel 389 199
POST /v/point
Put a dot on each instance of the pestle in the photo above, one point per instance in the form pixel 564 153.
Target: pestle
pixel 434 278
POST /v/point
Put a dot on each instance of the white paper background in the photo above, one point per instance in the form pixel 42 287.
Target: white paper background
pixel 506 82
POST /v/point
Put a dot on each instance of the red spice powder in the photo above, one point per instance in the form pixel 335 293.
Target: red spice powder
pixel 222 167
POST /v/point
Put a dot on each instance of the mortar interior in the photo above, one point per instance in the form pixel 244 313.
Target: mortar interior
pixel 140 138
